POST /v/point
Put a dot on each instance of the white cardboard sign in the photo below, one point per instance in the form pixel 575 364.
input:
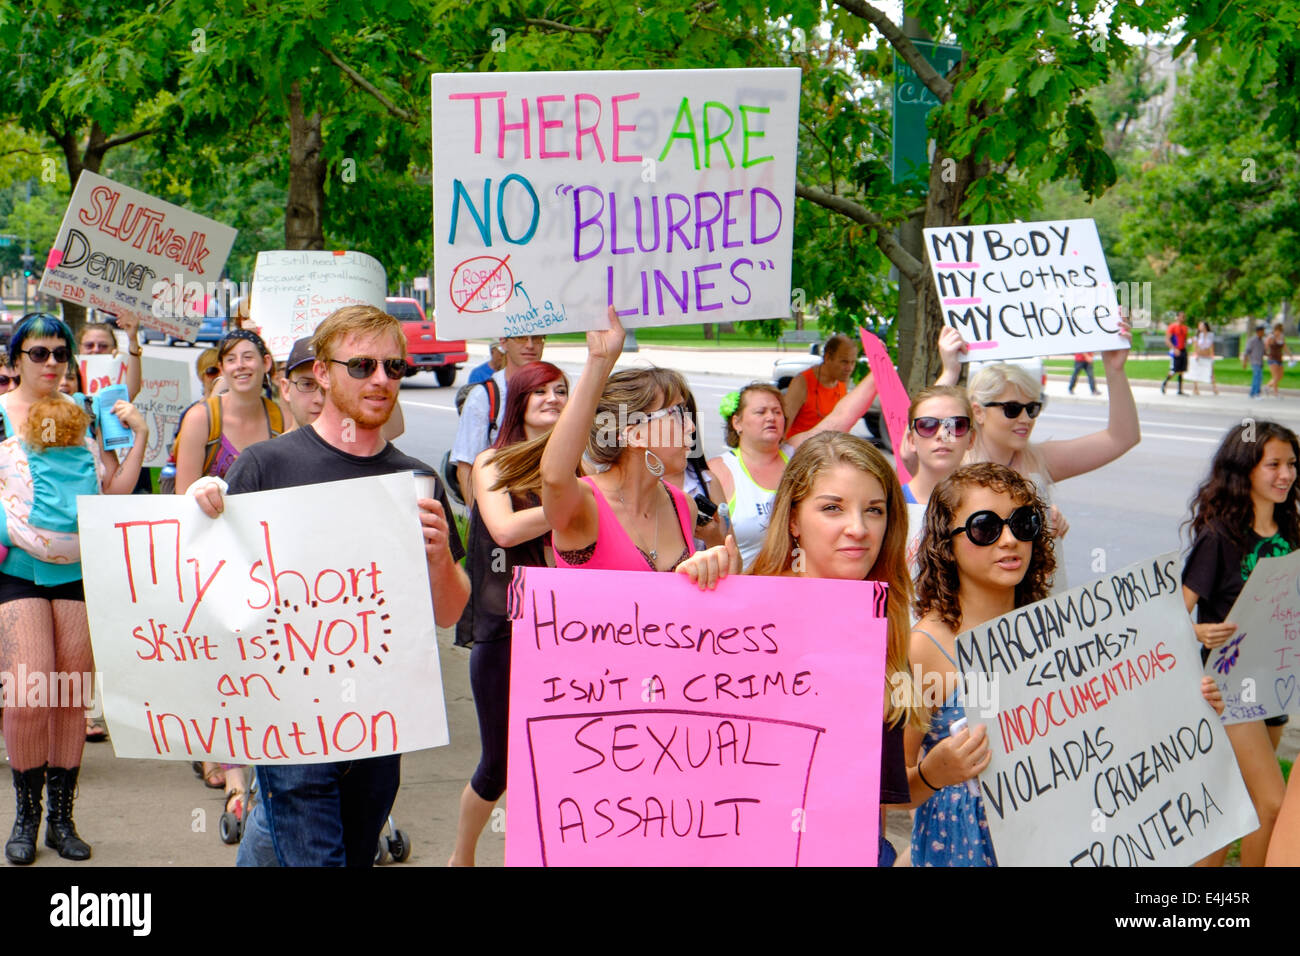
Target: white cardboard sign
pixel 1025 288
pixel 129 253
pixel 1256 669
pixel 668 194
pixel 265 635
pixel 167 388
pixel 1104 751
pixel 295 291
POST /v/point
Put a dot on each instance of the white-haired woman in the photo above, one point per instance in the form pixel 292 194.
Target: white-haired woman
pixel 1006 401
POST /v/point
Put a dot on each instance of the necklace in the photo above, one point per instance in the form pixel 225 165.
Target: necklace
pixel 654 552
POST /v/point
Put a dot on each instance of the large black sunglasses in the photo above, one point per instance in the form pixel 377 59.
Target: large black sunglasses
pixel 40 355
pixel 364 367
pixel 926 426
pixel 984 528
pixel 1013 409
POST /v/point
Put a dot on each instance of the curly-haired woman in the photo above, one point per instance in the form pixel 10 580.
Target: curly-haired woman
pixel 983 554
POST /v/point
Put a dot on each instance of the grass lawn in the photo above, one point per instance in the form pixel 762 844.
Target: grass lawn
pixel 1227 371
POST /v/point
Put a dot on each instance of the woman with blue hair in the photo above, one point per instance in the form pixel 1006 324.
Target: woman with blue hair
pixel 42 604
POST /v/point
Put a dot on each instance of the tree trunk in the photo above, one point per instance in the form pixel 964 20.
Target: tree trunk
pixel 305 209
pixel 949 181
pixel 708 331
pixel 77 160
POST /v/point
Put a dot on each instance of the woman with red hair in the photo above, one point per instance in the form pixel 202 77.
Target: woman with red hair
pixel 506 521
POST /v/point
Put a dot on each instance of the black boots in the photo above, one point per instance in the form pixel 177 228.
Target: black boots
pixel 28 785
pixel 60 832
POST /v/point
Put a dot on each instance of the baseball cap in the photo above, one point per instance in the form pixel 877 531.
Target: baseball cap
pixel 300 353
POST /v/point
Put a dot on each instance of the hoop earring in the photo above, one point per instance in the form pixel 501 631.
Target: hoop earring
pixel 654 464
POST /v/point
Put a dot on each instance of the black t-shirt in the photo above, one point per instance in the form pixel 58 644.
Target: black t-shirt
pixel 302 457
pixel 894 787
pixel 1217 569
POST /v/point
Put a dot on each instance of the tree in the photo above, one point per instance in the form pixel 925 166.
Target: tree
pixel 1217 212
pixel 66 76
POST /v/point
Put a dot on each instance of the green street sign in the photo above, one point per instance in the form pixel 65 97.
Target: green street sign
pixel 912 104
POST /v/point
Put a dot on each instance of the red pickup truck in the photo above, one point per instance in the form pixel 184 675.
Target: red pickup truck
pixel 425 353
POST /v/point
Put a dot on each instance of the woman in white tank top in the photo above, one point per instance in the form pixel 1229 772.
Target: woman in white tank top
pixel 751 469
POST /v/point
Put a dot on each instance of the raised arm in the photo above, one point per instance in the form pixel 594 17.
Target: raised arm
pixel 1065 459
pixel 120 479
pixel 951 347
pixel 570 510
pixel 131 326
pixel 507 526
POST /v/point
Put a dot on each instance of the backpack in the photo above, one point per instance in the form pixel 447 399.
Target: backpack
pixel 449 476
pixel 212 447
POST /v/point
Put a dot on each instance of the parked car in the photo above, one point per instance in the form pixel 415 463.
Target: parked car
pixel 210 332
pixel 425 352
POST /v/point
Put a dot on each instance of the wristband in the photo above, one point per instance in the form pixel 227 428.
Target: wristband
pixel 922 776
pixel 136 354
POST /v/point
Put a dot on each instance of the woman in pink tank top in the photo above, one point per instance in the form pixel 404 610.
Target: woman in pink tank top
pixel 625 518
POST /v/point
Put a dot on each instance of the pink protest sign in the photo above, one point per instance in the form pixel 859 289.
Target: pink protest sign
pixel 655 724
pixel 894 402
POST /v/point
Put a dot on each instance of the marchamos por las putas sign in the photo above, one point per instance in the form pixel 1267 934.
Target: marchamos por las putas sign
pixel 1104 751
pixel 667 194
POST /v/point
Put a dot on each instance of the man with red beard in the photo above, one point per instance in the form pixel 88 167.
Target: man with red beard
pixel 331 814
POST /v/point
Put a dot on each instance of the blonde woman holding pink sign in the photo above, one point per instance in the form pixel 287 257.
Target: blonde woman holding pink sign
pixel 839 513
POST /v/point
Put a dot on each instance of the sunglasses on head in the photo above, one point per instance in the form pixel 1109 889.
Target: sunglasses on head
pixel 363 367
pixel 1013 409
pixel 40 355
pixel 927 425
pixel 984 528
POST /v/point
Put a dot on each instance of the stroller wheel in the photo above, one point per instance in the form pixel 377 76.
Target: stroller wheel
pixel 399 845
pixel 231 828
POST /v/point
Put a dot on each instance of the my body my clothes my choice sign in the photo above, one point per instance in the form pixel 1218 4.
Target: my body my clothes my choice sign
pixel 668 194
pixel 1025 288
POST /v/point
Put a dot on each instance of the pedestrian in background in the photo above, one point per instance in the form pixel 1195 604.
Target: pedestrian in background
pixel 1274 347
pixel 1176 336
pixel 1253 358
pixel 1083 363
pixel 1205 350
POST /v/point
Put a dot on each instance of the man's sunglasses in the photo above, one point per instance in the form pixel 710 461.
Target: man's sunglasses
pixel 984 528
pixel 40 355
pixel 927 426
pixel 1013 409
pixel 362 367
